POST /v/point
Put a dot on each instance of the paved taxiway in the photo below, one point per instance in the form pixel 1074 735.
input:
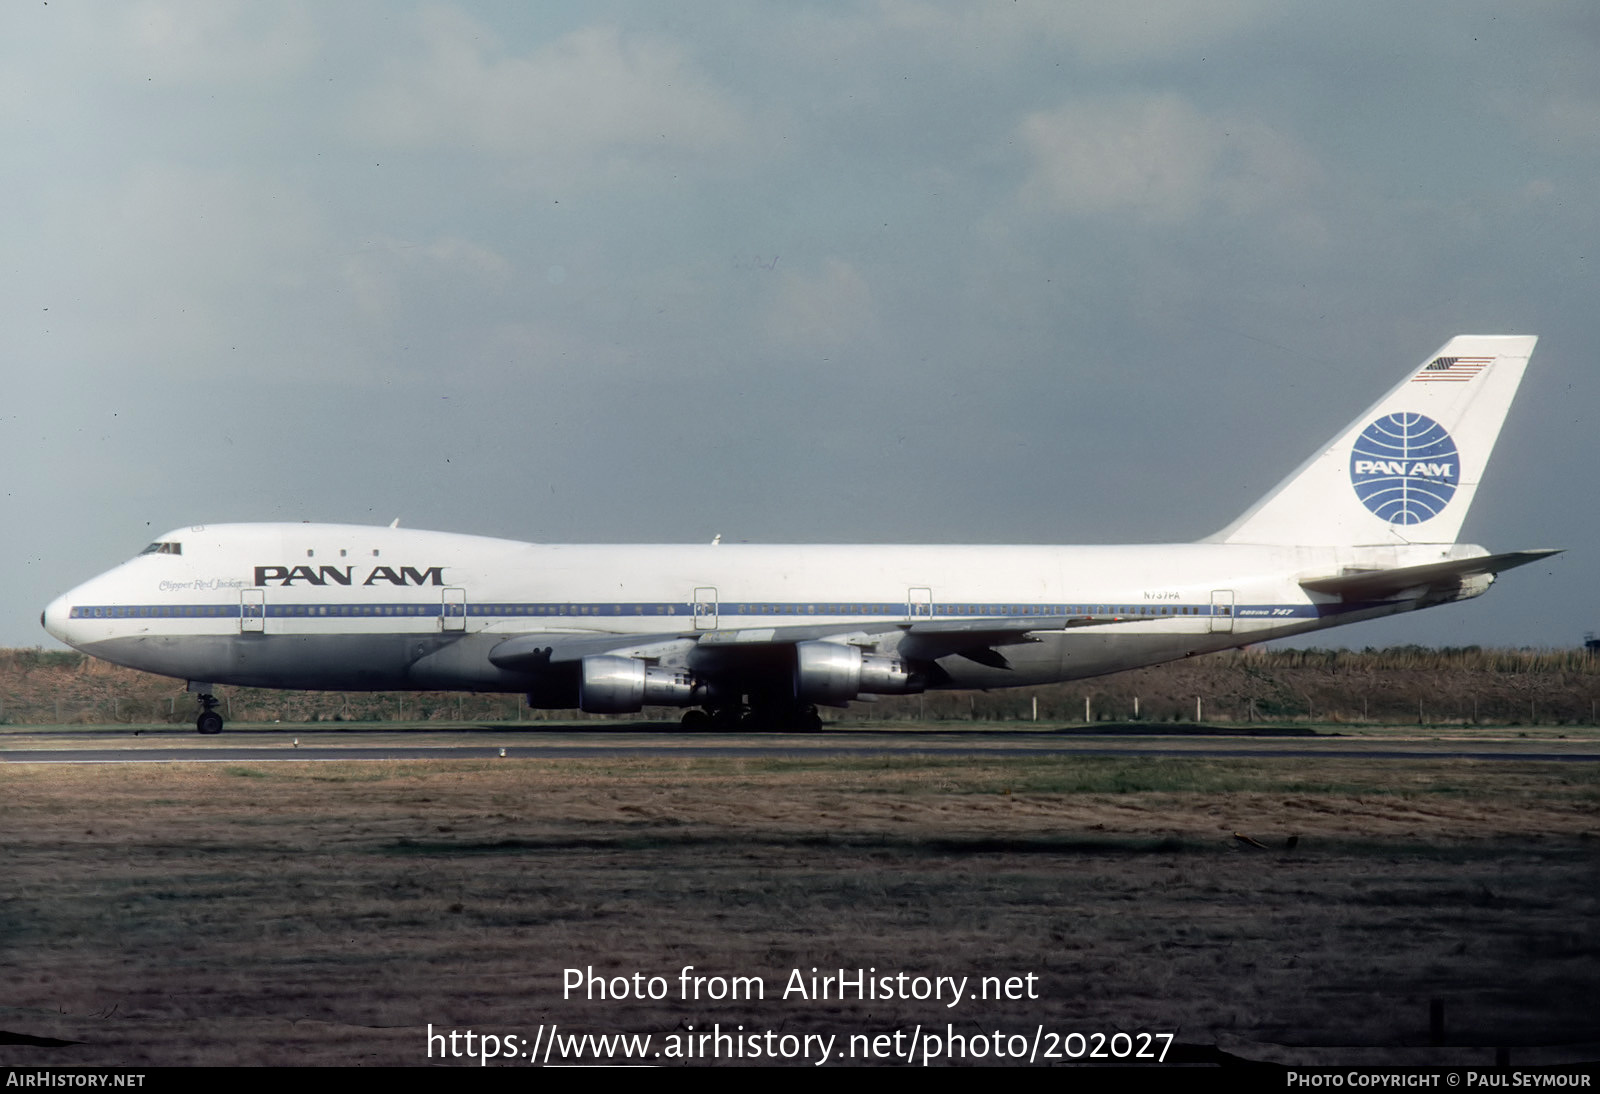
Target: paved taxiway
pixel 267 744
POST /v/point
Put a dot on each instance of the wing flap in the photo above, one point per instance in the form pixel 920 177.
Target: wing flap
pixel 532 652
pixel 1017 624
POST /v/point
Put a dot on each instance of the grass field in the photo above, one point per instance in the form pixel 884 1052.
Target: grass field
pixel 328 913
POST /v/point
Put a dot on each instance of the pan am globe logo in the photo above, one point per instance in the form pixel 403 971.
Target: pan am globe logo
pixel 1404 468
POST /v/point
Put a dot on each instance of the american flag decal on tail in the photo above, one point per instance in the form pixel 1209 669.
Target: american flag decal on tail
pixel 1456 369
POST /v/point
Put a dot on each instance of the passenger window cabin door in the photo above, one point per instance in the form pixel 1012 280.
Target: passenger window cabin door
pixel 1221 611
pixel 252 611
pixel 919 603
pixel 704 605
pixel 453 610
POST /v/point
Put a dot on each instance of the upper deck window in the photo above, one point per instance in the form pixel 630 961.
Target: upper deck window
pixel 159 548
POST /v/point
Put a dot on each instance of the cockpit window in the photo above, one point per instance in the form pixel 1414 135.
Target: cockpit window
pixel 159 548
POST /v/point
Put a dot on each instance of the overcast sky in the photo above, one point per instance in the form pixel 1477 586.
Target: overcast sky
pixel 884 272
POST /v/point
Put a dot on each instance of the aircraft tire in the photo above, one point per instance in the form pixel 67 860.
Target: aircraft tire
pixel 209 722
pixel 695 721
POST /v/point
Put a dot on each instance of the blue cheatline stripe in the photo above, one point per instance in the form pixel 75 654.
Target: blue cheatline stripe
pixel 727 610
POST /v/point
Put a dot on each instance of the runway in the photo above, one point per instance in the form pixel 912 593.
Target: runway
pixel 321 743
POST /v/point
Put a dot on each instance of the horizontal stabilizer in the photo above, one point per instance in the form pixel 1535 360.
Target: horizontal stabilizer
pixel 1377 584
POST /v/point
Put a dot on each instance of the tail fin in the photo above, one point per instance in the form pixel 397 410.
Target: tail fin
pixel 1407 469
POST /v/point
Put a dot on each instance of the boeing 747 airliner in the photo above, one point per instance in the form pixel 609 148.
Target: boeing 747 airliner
pixel 760 636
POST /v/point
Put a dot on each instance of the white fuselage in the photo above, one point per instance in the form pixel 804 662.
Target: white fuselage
pixel 345 606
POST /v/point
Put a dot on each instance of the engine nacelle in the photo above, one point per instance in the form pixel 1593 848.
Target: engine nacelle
pixel 624 685
pixel 888 676
pixel 832 673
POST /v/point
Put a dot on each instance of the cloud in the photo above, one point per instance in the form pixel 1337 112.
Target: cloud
pixel 1117 32
pixel 830 308
pixel 984 35
pixel 388 279
pixel 185 259
pixel 213 41
pixel 197 271
pixel 1158 159
pixel 1569 122
pixel 594 97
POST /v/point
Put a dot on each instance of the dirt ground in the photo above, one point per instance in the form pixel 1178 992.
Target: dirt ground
pixel 1282 909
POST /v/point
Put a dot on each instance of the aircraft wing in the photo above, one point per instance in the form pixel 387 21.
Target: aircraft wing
pixel 531 652
pixel 999 629
pixel 927 639
pixel 1434 577
pixel 978 639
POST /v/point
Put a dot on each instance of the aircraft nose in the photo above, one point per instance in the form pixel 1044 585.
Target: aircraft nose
pixel 55 615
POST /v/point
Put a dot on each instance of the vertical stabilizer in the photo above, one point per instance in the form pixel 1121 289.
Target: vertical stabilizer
pixel 1406 470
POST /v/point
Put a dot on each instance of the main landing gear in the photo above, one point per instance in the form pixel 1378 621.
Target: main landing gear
pixel 209 721
pixel 767 718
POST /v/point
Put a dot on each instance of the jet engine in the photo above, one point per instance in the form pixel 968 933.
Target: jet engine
pixel 832 673
pixel 623 685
